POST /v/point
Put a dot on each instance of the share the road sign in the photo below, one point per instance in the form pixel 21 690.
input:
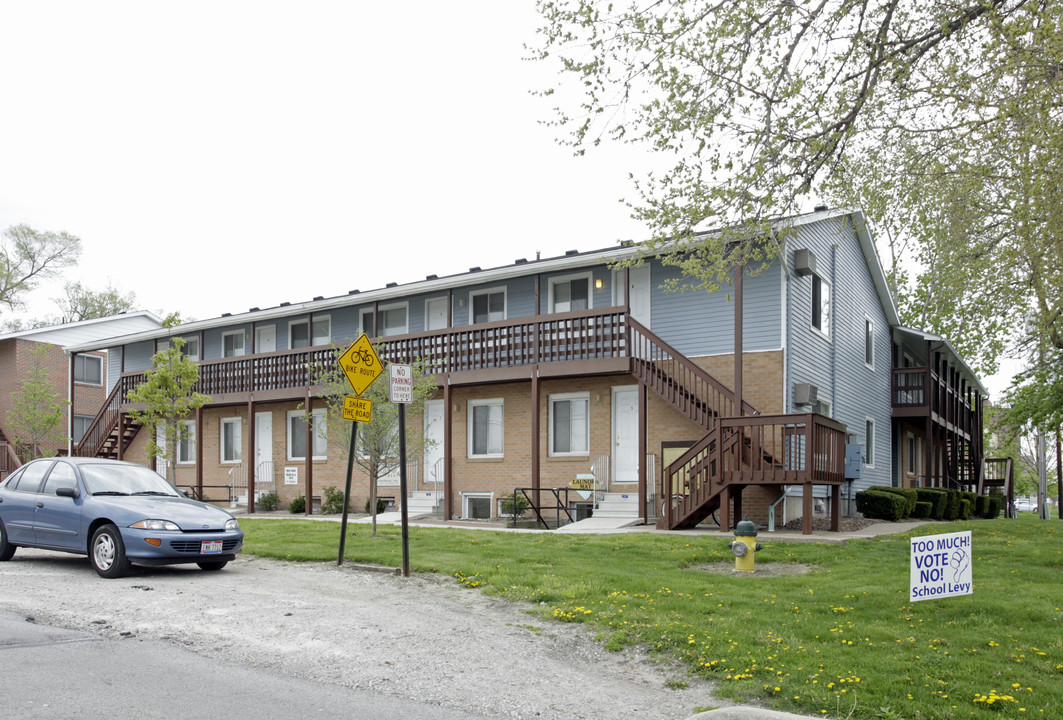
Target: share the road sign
pixel 361 364
pixel 357 409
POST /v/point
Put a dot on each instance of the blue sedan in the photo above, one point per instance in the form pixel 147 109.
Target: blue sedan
pixel 115 512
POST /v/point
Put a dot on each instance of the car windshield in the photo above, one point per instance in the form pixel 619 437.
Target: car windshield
pixel 124 480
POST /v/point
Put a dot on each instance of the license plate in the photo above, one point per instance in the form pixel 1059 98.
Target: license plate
pixel 210 547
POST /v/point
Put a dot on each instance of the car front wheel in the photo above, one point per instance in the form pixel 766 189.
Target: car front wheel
pixel 6 548
pixel 107 553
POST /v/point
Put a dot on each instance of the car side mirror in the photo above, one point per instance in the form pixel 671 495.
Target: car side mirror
pixel 70 492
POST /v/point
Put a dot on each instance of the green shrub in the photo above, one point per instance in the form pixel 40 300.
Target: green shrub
pixel 922 510
pixel 936 497
pixel 879 505
pixel 514 506
pixel 952 504
pixel 297 505
pixel 981 506
pixel 910 495
pixel 269 502
pixel 996 504
pixel 965 508
pixel 333 501
pixel 380 506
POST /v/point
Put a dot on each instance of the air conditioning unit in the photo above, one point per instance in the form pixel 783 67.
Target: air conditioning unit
pixel 805 394
pixel 804 262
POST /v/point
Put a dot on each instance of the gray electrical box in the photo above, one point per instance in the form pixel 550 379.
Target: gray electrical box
pixel 854 460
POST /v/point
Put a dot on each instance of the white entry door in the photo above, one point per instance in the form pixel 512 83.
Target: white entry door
pixel 266 339
pixel 433 447
pixel 639 292
pixel 264 476
pixel 625 434
pixel 435 313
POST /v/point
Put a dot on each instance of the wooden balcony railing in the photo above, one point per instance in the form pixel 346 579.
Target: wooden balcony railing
pixel 752 450
pixel 924 391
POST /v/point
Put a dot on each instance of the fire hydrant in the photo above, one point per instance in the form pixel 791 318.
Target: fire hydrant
pixel 745 545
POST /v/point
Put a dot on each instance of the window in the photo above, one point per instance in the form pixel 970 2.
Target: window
pixel 299 332
pixel 869 343
pixel 488 305
pixel 869 443
pixel 570 293
pixel 367 321
pixel 232 343
pixel 186 444
pixel 230 440
pixel 486 428
pixel 394 319
pixel 569 424
pixel 191 348
pixel 297 434
pixel 911 454
pixel 88 369
pixel 821 305
pixel 81 426
pixel 476 505
pixel 61 476
pixel 31 477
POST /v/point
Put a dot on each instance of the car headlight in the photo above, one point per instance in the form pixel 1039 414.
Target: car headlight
pixel 231 524
pixel 156 525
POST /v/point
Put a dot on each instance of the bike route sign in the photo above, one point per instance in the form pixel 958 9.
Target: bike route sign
pixel 361 364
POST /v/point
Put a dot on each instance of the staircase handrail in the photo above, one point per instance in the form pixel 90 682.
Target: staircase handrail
pixel 649 354
pixel 9 460
pixel 106 419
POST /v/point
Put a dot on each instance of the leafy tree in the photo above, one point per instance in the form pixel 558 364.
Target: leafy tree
pixel 82 303
pixel 35 421
pixel 943 120
pixel 28 256
pixel 168 398
pixel 377 443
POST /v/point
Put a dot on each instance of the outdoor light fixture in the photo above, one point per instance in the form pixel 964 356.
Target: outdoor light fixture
pixel 598 284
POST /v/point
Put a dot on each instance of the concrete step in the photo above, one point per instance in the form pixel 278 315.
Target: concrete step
pixel 618 505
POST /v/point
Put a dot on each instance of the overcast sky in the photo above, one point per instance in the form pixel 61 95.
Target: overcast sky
pixel 218 156
pixel 215 156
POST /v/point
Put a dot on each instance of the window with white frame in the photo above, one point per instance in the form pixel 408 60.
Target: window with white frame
pixel 232 343
pixel 869 343
pixel 367 322
pixel 570 424
pixel 487 305
pixel 231 441
pixel 476 505
pixel 869 442
pixel 190 349
pixel 821 304
pixel 912 460
pixel 486 428
pixel 570 293
pixel 88 369
pixel 81 426
pixel 395 319
pixel 299 332
pixel 186 444
pixel 297 434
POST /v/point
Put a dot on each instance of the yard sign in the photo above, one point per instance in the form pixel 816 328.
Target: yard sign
pixel 941 566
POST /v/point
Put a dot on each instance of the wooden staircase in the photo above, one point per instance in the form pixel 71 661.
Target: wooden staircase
pixel 104 438
pixel 739 448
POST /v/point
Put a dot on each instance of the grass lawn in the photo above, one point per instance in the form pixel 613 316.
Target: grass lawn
pixel 840 641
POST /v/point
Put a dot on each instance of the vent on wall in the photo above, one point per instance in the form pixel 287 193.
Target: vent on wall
pixel 804 262
pixel 805 394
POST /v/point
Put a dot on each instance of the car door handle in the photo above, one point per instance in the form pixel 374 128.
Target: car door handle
pixel 40 504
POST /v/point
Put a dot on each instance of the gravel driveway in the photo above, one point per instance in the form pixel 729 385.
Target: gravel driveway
pixel 422 637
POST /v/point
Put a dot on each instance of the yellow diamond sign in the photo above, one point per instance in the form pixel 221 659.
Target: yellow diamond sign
pixel 361 364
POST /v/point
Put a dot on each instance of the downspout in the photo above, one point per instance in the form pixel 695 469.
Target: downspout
pixel 786 371
pixel 833 330
pixel 70 407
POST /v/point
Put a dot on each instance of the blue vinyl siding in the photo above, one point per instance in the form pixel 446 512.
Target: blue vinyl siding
pixel 835 364
pixel 138 355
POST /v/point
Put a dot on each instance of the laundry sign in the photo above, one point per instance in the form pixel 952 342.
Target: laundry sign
pixel 941 566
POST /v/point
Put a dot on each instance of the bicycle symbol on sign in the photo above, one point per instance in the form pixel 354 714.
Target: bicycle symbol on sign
pixel 362 356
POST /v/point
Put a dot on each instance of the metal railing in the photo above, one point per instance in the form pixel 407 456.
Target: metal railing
pixel 559 512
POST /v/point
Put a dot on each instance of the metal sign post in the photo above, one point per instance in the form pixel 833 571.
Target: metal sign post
pixel 400 391
pixel 361 364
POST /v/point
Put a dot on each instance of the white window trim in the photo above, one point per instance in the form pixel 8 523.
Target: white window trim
pixel 383 309
pixel 469 426
pixel 465 496
pixel 870 443
pixel 243 345
pixel 565 397
pixel 99 360
pixel 189 342
pixel 824 284
pixel 190 429
pixel 490 291
pixel 238 422
pixel 371 312
pixel 312 339
pixel 318 416
pixel 588 276
pixel 869 332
